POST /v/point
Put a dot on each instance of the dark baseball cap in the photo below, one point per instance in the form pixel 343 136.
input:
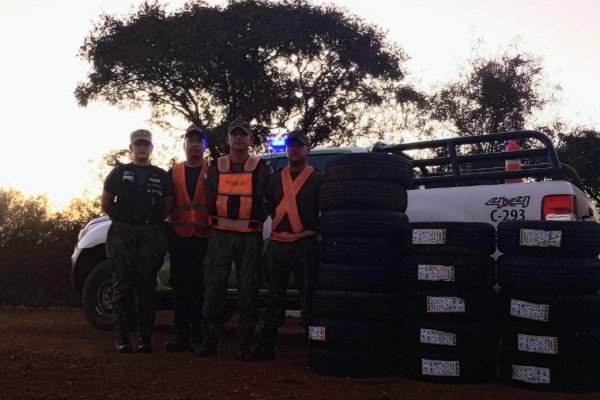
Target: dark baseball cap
pixel 195 130
pixel 297 135
pixel 241 124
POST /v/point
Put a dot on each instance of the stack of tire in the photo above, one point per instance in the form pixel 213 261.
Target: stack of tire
pixel 550 305
pixel 449 303
pixel 354 329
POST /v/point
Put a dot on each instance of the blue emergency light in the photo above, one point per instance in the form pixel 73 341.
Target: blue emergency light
pixel 278 145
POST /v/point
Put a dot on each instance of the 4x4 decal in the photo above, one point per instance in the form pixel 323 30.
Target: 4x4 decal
pixel 501 202
pixel 508 209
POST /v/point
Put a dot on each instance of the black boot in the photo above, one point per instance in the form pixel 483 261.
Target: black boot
pixel 123 345
pixel 177 344
pixel 266 347
pixel 208 348
pixel 144 345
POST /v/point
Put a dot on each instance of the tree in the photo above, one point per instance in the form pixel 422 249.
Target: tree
pixel 276 63
pixel 495 94
pixel 581 150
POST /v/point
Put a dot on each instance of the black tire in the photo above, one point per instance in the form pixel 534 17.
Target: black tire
pixel 368 223
pixel 445 368
pixel 353 364
pixel 557 375
pixel 570 238
pixel 451 337
pixel 355 305
pixel 447 305
pixel 549 274
pixel 549 310
pixel 335 334
pixel 449 238
pixel 448 272
pixel 96 296
pixel 359 250
pixel 376 278
pixel 380 167
pixel 571 343
pixel 367 195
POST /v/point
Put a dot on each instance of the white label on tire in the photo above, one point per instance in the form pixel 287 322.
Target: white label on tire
pixel 537 344
pixel 530 374
pixel 317 333
pixel 429 272
pixel 429 236
pixel 524 309
pixel 432 336
pixel 440 367
pixel 539 238
pixel 437 304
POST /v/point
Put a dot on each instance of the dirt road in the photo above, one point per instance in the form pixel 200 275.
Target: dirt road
pixel 55 354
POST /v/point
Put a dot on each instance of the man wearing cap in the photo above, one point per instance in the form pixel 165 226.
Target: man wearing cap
pixel 292 202
pixel 188 241
pixel 235 192
pixel 137 197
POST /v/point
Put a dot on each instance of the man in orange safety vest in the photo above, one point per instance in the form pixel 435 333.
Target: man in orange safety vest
pixel 188 241
pixel 292 202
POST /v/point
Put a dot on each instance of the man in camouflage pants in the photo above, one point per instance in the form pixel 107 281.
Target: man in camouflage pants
pixel 137 197
pixel 235 194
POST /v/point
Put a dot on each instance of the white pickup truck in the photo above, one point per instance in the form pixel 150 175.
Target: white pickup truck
pixel 453 185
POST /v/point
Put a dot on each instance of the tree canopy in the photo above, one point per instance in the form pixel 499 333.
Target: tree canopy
pixel 276 63
pixel 581 150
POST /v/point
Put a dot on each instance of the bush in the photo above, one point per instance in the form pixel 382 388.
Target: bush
pixel 35 248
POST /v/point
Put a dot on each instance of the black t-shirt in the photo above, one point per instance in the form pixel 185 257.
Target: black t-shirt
pixel 191 179
pixel 138 190
pixel 307 200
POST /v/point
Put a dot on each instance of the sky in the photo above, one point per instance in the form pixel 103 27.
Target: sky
pixel 49 145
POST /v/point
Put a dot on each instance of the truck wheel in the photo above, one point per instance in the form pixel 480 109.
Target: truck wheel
pixel 549 238
pixel 368 195
pixel 336 334
pixel 375 278
pixel 449 238
pixel 445 368
pixel 529 309
pixel 359 250
pixel 380 167
pixel 446 272
pixel 97 296
pixel 357 306
pixel 549 274
pixel 353 364
pixel 369 223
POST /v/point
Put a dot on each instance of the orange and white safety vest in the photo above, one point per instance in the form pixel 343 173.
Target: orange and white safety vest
pixel 189 217
pixel 288 206
pixel 235 184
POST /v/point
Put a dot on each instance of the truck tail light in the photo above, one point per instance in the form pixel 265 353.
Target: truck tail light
pixel 561 207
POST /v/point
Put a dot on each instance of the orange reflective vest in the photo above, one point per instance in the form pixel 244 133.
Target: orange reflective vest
pixel 288 206
pixel 189 217
pixel 235 184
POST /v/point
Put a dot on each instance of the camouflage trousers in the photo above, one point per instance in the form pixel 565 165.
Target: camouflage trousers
pixel 300 258
pixel 244 250
pixel 137 252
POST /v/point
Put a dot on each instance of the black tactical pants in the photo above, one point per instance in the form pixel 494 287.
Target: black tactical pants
pixel 137 252
pixel 244 250
pixel 300 258
pixel 187 278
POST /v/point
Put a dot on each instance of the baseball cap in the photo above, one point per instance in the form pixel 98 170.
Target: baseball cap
pixel 140 134
pixel 239 123
pixel 195 130
pixel 297 135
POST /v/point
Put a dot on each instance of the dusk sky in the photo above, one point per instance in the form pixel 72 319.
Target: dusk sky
pixel 50 145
